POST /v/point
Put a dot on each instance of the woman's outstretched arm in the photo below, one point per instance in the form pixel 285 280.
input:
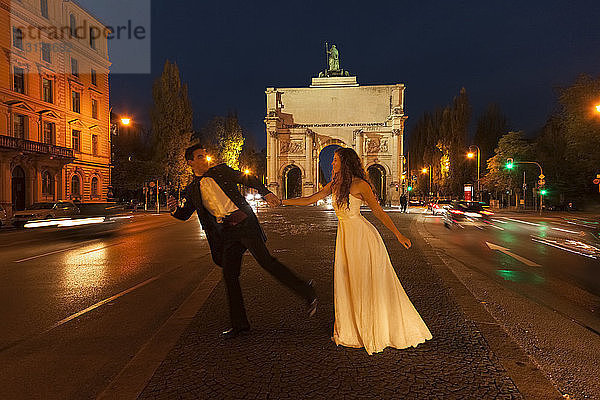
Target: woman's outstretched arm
pixel 305 201
pixel 368 195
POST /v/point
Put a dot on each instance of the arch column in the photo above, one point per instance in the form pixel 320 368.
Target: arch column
pixel 309 177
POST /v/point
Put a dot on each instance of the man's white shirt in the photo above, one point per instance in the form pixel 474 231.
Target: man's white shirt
pixel 215 200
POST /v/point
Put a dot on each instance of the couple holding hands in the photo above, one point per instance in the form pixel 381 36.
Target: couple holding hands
pixel 372 309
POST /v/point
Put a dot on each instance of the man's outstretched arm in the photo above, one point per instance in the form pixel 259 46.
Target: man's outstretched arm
pixel 185 211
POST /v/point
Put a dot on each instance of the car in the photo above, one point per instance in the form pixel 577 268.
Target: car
pixel 3 216
pixel 440 206
pixel 45 210
pixel 467 212
pixel 414 203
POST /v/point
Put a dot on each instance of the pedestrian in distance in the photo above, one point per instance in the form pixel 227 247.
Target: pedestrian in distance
pixel 403 202
pixel 372 309
pixel 232 228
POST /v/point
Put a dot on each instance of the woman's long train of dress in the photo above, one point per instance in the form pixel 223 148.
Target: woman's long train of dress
pixel 372 309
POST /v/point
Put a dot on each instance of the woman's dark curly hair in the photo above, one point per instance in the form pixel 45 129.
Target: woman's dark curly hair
pixel 351 167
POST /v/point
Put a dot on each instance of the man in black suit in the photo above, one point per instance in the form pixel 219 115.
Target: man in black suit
pixel 232 228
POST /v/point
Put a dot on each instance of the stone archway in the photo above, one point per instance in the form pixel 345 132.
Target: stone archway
pixel 377 176
pixel 19 194
pixel 292 182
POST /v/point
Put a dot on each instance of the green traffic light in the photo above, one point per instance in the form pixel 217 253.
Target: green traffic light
pixel 543 192
pixel 409 188
pixel 509 165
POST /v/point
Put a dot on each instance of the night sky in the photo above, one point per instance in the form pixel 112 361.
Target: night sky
pixel 514 53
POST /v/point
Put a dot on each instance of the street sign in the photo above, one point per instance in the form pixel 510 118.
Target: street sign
pixel 596 181
pixel 541 182
pixel 542 176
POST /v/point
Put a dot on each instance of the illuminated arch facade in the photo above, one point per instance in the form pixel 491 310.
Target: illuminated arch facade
pixel 300 122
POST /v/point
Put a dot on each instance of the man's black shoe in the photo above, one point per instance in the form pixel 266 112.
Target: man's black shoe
pixel 234 332
pixel 313 302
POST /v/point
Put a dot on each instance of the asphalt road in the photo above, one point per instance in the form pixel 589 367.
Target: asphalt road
pixel 78 303
pixel 540 279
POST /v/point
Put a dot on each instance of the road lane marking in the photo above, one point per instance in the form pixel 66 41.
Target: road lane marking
pixel 523 222
pixel 506 251
pixel 101 248
pixel 558 246
pixel 53 252
pixel 100 303
pixel 568 231
pixel 497 227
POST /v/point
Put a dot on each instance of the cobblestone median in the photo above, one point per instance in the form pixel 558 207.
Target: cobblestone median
pixel 287 355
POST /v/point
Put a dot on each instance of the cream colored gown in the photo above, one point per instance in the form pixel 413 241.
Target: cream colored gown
pixel 371 308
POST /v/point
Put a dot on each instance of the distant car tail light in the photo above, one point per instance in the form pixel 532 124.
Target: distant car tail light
pixel 456 212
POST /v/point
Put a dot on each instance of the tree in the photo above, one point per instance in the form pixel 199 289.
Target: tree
pixel 224 136
pixel 172 117
pixel 499 178
pixel 491 125
pixel 439 140
pixel 580 127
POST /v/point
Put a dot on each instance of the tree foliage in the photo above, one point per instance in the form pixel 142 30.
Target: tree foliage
pixel 511 145
pixel 172 117
pixel 491 126
pixel 580 127
pixel 439 139
pixel 224 136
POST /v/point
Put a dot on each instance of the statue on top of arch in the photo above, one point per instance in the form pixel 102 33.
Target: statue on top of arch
pixel 333 63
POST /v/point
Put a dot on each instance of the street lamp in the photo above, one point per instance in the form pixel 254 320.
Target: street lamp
pixel 424 171
pixel 598 108
pixel 125 121
pixel 471 155
pixel 247 171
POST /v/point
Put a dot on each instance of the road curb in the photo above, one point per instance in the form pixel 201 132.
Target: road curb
pixel 133 378
pixel 529 379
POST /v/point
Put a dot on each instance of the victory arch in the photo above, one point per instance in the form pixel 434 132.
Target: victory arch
pixel 334 110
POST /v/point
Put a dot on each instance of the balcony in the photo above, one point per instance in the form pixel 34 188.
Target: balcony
pixel 29 146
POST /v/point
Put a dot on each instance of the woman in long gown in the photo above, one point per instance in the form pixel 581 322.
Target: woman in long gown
pixel 372 309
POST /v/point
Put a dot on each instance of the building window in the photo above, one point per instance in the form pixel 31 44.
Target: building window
pixel 44 8
pixel 72 26
pixel 93 33
pixel 19 126
pixel 75 187
pixel 18 38
pixel 47 90
pixel 46 52
pixel 94 187
pixel 74 67
pixel 47 184
pixel 95 108
pixel 48 131
pixel 19 80
pixel 76 101
pixel 94 78
pixel 95 145
pixel 76 140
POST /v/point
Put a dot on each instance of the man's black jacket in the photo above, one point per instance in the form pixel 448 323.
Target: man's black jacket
pixel 227 178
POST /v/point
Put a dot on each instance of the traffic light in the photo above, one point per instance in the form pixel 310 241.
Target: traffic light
pixel 543 192
pixel 510 163
pixel 410 188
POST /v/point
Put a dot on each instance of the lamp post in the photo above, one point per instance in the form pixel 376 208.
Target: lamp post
pixel 424 171
pixel 510 164
pixel 471 155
